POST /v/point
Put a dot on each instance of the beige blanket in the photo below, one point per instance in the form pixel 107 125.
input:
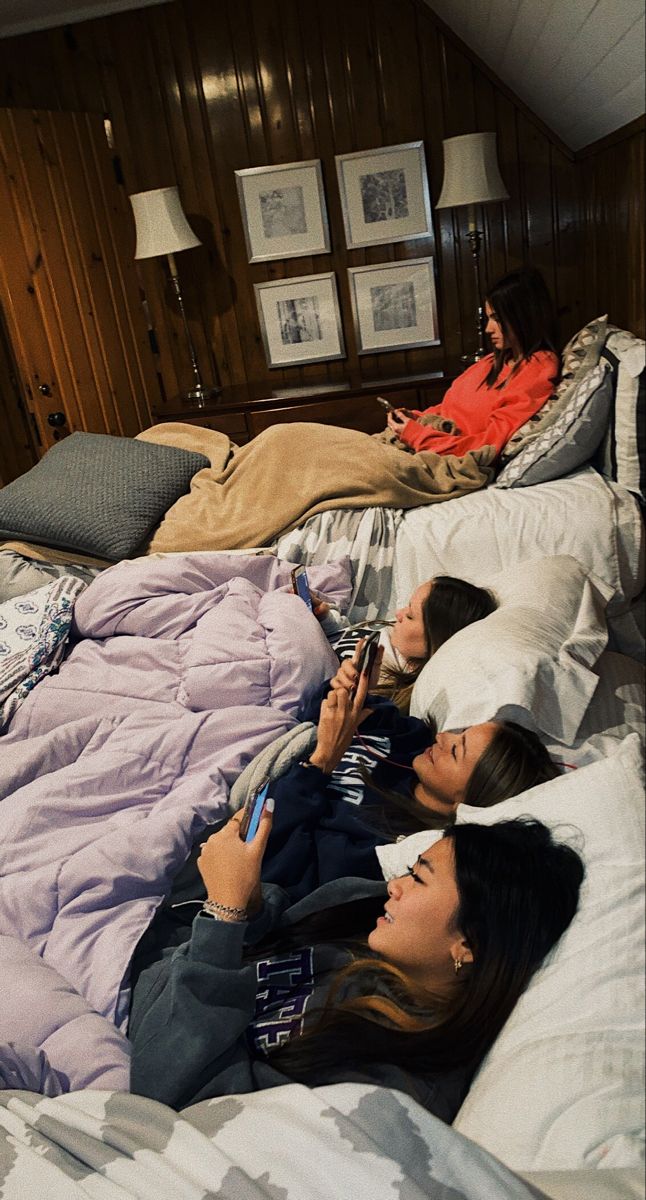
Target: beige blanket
pixel 251 494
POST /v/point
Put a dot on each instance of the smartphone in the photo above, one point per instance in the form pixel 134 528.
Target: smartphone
pixel 385 404
pixel 252 813
pixel 301 586
pixel 369 653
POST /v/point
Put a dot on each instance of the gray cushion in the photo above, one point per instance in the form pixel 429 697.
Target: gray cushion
pixel 570 440
pixel 622 454
pixel 96 494
pixel 581 353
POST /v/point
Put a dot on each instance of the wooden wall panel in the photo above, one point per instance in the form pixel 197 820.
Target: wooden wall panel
pixel 196 89
pixel 613 185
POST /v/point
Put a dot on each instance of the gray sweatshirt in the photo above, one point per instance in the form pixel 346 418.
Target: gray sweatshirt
pixel 202 1019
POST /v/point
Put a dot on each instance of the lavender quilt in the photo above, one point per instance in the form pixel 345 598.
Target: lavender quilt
pixel 183 668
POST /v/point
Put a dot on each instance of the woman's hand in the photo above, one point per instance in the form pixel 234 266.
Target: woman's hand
pixel 347 676
pixel 320 606
pixel 397 421
pixel 230 867
pixel 340 715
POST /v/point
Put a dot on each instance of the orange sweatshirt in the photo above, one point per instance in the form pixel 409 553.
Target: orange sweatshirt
pixel 486 416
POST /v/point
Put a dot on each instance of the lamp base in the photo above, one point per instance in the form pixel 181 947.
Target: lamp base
pixel 200 396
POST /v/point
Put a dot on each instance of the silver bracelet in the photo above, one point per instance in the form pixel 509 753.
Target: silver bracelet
pixel 223 912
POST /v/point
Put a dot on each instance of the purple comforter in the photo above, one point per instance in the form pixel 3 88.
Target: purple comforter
pixel 185 668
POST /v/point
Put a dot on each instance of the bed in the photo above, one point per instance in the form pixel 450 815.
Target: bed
pixel 134 775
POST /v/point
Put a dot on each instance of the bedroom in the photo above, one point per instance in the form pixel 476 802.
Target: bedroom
pixel 195 92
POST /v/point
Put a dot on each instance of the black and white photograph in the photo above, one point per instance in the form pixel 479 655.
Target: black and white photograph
pixel 384 195
pixel 300 319
pixel 283 210
pixel 394 305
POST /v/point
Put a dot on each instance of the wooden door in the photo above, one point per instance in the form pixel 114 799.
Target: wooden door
pixel 68 286
pixel 17 443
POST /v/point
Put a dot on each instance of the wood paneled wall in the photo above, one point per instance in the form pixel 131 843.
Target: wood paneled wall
pixel 613 186
pixel 198 88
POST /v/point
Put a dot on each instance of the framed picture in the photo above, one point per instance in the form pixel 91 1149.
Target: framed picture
pixel 384 195
pixel 283 210
pixel 394 305
pixel 300 320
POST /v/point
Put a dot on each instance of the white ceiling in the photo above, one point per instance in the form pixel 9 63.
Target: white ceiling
pixel 578 64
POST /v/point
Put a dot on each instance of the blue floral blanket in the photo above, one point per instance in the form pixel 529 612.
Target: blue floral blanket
pixel 34 629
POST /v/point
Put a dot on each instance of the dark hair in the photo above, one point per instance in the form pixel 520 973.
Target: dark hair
pixel 451 605
pixel 518 892
pixel 514 761
pixel 524 308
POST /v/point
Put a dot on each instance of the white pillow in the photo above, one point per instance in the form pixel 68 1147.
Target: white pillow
pixel 529 661
pixel 563 1085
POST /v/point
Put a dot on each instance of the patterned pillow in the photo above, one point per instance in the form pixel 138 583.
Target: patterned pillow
pixel 34 629
pixel 622 454
pixel 579 356
pixel 96 494
pixel 571 439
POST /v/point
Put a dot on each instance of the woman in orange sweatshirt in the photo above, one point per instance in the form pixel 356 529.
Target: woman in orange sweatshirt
pixel 494 397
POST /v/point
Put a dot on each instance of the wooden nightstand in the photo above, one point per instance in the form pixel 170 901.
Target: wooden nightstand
pixel 243 412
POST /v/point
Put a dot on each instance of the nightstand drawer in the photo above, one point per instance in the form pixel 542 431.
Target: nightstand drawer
pixel 233 424
pixel 355 412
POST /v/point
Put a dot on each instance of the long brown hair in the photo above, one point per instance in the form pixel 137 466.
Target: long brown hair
pixel 524 308
pixel 514 761
pixel 518 891
pixel 450 605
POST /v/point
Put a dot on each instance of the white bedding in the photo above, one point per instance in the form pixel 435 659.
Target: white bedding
pixel 477 536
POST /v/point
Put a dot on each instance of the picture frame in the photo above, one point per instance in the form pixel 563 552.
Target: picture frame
pixel 384 195
pixel 394 305
pixel 284 214
pixel 300 320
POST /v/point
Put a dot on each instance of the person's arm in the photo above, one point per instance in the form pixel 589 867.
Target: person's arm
pixel 521 397
pixel 316 836
pixel 190 1012
pixel 328 615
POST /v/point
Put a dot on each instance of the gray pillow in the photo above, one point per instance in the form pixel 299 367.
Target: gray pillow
pixel 622 454
pixel 96 494
pixel 570 440
pixel 579 356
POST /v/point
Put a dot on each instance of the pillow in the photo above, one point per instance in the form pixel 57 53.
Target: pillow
pixel 562 1087
pixel 96 493
pixel 529 661
pixel 622 455
pixel 579 356
pixel 570 439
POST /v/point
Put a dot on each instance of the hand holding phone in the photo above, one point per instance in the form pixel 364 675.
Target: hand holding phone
pixel 301 586
pixel 368 654
pixel 230 865
pixel 252 812
pixel 384 403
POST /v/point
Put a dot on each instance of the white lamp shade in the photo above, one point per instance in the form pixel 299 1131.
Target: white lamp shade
pixel 471 173
pixel 161 225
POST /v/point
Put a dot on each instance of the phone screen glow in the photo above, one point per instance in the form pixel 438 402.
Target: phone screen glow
pixel 256 813
pixel 303 588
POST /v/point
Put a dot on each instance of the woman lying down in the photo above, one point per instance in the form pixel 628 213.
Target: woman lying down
pixel 372 774
pixel 405 985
